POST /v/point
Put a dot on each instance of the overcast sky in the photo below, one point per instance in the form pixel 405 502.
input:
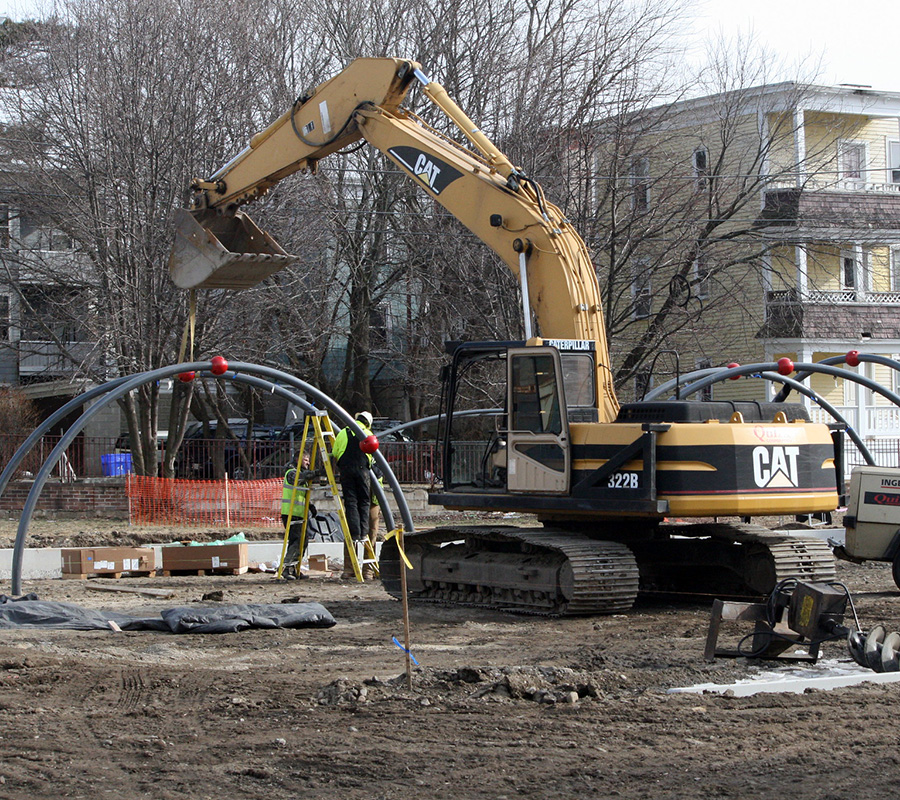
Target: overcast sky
pixel 857 47
pixel 853 48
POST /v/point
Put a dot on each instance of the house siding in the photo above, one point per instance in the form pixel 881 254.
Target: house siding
pixel 813 215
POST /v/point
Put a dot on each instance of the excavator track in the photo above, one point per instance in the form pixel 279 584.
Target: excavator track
pixel 739 560
pixel 532 571
pixel 779 556
pixel 559 573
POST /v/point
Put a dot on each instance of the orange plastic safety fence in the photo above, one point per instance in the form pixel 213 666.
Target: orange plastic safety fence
pixel 236 504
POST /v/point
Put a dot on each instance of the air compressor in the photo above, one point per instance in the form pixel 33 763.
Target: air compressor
pixel 872 521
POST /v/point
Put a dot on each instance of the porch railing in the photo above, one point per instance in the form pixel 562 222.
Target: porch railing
pixel 877 421
pixel 831 297
pixel 837 185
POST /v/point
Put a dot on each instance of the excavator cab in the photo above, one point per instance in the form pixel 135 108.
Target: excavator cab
pixel 526 450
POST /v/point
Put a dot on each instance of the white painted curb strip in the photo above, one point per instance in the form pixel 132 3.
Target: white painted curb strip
pixel 43 563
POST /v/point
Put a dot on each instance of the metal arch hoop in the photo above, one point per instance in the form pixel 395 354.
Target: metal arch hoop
pixel 117 388
pixel 717 374
pixel 751 369
pixel 831 360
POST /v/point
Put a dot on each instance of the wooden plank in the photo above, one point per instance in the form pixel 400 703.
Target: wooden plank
pixel 83 576
pixel 113 587
pixel 169 573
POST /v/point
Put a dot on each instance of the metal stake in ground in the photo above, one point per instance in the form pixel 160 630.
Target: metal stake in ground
pixel 405 601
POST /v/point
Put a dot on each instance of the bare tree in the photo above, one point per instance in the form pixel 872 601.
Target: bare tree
pixel 135 100
pixel 671 209
pixel 552 65
pixel 116 105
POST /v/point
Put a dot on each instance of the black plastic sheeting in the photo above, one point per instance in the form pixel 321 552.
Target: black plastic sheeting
pixel 33 613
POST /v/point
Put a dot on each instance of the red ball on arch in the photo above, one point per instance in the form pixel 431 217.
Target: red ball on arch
pixel 852 358
pixel 733 365
pixel 785 366
pixel 369 445
pixel 219 366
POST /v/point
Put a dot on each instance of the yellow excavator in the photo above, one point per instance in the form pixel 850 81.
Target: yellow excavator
pixel 601 478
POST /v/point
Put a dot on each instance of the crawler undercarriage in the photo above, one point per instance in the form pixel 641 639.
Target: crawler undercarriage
pixel 556 572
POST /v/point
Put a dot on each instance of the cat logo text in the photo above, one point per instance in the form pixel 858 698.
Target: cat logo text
pixel 435 174
pixel 776 467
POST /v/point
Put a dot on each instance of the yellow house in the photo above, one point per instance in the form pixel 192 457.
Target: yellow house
pixel 796 190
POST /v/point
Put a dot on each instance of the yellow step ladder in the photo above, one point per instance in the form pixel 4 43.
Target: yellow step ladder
pixel 322 445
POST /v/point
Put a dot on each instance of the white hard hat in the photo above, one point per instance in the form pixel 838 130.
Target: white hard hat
pixel 365 417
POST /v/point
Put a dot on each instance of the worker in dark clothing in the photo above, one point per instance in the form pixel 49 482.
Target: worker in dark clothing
pixel 354 466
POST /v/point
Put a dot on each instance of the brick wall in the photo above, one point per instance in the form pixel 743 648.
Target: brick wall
pixel 91 497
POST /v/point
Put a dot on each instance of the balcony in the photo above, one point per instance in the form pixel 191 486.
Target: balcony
pixel 35 266
pixel 833 208
pixel 841 314
pixel 833 297
pixel 36 357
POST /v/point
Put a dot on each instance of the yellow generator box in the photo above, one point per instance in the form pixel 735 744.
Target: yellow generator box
pixel 107 560
pixel 226 558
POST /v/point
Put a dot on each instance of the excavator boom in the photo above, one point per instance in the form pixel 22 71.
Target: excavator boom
pixel 217 246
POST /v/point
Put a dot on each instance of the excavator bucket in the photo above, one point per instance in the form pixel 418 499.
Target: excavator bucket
pixel 222 251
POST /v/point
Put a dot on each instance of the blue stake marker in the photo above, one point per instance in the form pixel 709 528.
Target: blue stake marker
pixel 411 656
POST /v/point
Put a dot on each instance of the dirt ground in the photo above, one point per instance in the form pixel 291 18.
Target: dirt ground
pixel 501 706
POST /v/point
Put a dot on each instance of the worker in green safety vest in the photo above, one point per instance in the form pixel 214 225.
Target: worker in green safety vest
pixel 291 569
pixel 354 466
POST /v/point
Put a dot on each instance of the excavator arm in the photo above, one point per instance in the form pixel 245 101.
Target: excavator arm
pixel 318 124
pixel 217 246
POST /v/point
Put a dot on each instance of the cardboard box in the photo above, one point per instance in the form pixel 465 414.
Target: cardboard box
pixel 318 563
pixel 207 557
pixel 107 560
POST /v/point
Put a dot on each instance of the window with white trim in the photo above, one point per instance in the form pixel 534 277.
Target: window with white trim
pixel 4 227
pixel 640 183
pixel 701 271
pixel 852 160
pixel 848 270
pixel 38 233
pixel 640 288
pixel 4 317
pixel 895 269
pixel 893 160
pixel 380 327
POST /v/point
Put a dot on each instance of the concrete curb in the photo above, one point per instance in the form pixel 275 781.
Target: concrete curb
pixel 44 563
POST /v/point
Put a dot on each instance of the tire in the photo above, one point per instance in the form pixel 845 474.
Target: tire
pixel 895 570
